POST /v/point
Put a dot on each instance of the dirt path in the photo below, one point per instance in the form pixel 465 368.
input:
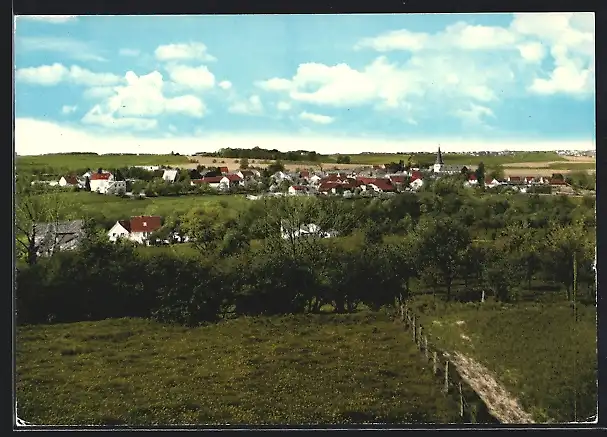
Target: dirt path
pixel 500 403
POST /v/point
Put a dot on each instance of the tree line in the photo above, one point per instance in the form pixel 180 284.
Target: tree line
pixel 436 243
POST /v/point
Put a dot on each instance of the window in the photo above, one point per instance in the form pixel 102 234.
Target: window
pixel 145 223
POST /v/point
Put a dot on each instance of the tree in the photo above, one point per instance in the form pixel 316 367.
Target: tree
pixel 444 246
pixel 275 167
pixel 244 163
pixel 480 174
pixel 343 159
pixel 497 172
pixel 87 183
pixel 33 207
pixel 205 225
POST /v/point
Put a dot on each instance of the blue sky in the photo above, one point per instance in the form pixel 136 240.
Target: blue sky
pixel 330 83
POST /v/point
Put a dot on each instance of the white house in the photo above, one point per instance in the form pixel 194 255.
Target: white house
pixel 297 190
pixel 492 183
pixel 170 175
pixel 416 182
pixel 68 181
pixel 247 174
pixel 137 229
pixel 281 176
pixel 100 182
pixel 230 181
pixel 311 229
pixel 314 179
pixel 472 181
pixel 148 167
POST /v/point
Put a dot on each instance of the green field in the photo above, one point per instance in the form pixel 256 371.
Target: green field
pixel 573 166
pixel 86 204
pixel 58 164
pixel 324 368
pixel 530 347
pixel 459 158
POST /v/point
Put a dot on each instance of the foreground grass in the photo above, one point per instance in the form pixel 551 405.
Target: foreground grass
pixel 531 348
pixel 58 164
pixel 281 370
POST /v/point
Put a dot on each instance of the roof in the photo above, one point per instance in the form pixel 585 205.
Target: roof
pixel 416 175
pixel 223 169
pixel 529 178
pixel 100 176
pixel 554 181
pixel 247 172
pixel 208 180
pixel 397 179
pixel 66 227
pixel 383 184
pixel 233 177
pixel 145 223
pixel 298 187
pixel 488 180
pixel 304 173
pixel 71 179
pixel 126 224
pixel 471 177
pixel 515 178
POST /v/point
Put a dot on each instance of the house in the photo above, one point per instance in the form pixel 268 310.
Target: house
pixel 304 174
pixel 514 179
pixel 137 229
pixel 314 179
pixel 52 237
pixel 416 181
pixel 212 181
pixel 382 185
pixel 309 230
pixel 491 183
pixel 529 180
pixel 248 174
pixel 295 190
pixel 280 176
pixel 100 182
pixel 230 181
pixel 472 181
pixel 68 181
pixel 224 170
pixel 170 175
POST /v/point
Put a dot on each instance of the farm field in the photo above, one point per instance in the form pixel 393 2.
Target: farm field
pixel 64 163
pixel 304 369
pixel 531 348
pixel 115 208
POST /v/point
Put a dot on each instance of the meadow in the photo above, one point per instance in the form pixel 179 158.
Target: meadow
pixel 303 369
pixel 60 164
pixel 112 208
pixel 458 158
pixel 531 347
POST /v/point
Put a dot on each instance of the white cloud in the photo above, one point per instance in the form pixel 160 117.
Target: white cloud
pixel 142 97
pixel 57 19
pixel 37 137
pixel 48 75
pixel 532 51
pixel 252 106
pixel 66 109
pixel 98 92
pixel 475 114
pixel 225 84
pixel 316 118
pixel 275 84
pixel 199 78
pixel 460 35
pixel 283 106
pixel 97 116
pixel 129 52
pixel 75 49
pixel 187 51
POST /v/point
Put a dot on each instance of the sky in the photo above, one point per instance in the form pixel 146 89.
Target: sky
pixel 330 83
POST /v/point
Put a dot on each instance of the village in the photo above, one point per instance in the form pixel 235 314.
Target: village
pixel 367 181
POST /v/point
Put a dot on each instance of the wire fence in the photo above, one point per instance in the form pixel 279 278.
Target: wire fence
pixel 472 408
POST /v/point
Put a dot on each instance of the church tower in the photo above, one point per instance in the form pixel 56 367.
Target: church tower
pixel 439 164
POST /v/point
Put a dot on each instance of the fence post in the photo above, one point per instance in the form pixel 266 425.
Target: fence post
pixel 461 401
pixel 434 362
pixel 426 346
pixel 446 388
pixel 418 340
pixel 402 313
pixel 414 330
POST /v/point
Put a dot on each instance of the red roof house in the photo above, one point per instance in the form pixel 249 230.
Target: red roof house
pixel 223 169
pixel 100 176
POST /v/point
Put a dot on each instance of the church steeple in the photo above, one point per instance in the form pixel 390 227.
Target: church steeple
pixel 439 157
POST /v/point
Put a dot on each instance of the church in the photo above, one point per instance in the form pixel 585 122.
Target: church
pixel 440 167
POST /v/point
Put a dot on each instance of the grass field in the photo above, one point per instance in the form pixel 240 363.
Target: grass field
pixel 64 163
pixel 459 158
pixel 530 347
pixel 83 204
pixel 304 369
